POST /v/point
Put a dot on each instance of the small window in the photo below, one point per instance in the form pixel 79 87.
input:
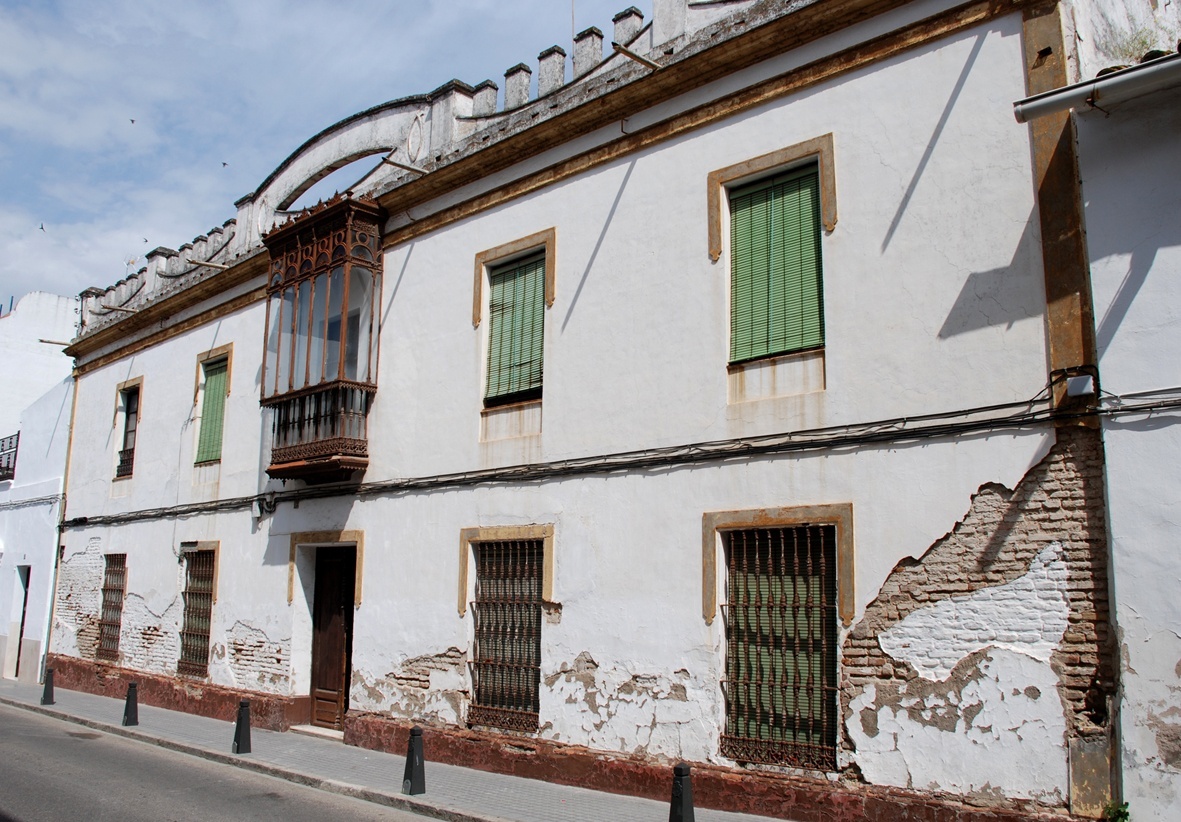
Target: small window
pixel 516 331
pixel 198 611
pixel 8 449
pixel 506 671
pixel 776 293
pixel 111 619
pixel 129 398
pixel 213 405
pixel 781 646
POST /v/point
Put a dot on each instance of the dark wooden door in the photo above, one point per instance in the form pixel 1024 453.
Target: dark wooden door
pixel 332 635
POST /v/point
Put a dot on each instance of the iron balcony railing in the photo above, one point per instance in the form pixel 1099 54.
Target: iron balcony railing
pixel 126 462
pixel 8 447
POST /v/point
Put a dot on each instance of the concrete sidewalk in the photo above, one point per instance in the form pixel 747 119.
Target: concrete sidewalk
pixel 452 793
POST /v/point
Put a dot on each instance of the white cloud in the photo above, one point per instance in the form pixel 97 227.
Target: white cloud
pixel 207 83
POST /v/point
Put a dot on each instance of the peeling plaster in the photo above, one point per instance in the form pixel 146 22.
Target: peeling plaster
pixel 431 688
pixel 255 661
pixel 610 707
pixel 960 724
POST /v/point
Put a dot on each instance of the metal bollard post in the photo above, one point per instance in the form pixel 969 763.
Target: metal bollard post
pixel 242 729
pixel 414 779
pixel 47 693
pixel 681 809
pixel 131 708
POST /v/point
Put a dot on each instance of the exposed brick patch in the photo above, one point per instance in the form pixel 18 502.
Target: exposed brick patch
pixel 191 696
pixel 1059 501
pixel 784 796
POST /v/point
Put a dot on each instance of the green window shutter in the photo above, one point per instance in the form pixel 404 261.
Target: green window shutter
pixel 776 293
pixel 516 330
pixel 213 411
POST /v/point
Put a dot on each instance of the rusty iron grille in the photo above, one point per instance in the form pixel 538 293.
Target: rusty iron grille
pixel 198 600
pixel 111 619
pixel 506 671
pixel 781 646
pixel 8 448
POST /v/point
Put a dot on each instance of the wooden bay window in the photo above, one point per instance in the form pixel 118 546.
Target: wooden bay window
pixel 320 358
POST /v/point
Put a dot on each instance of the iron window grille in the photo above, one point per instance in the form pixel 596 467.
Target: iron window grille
pixel 130 427
pixel 8 449
pixel 198 612
pixel 506 667
pixel 111 619
pixel 781 646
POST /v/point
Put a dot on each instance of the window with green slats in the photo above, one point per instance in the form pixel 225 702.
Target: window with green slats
pixel 776 293
pixel 516 331
pixel 213 408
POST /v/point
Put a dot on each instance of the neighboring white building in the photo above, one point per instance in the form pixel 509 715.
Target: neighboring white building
pixel 32 336
pixel 711 412
pixel 34 430
pixel 1130 160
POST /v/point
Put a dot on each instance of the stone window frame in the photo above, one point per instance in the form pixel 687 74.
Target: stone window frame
pixel 505 533
pixel 817 149
pixel 119 420
pixel 489 258
pixel 222 352
pixel 714 524
pixel 327 539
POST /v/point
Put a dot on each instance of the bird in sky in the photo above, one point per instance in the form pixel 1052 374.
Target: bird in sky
pixel 132 121
pixel 145 239
pixel 42 226
pixel 223 165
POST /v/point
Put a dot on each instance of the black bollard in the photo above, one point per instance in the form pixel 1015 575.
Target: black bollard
pixel 131 708
pixel 414 780
pixel 242 729
pixel 47 694
pixel 681 809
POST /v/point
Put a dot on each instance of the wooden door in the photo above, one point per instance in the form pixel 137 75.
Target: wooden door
pixel 332 635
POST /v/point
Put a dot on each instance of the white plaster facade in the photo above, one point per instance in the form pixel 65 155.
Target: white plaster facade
pixel 934 304
pixel 29 513
pixel 1129 164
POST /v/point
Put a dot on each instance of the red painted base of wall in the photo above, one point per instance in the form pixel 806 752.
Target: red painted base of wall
pixel 778 795
pixel 276 713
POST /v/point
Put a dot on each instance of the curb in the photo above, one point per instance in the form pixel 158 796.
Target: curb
pixel 378 797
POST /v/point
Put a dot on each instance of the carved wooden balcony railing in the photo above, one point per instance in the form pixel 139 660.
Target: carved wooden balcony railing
pixel 320 434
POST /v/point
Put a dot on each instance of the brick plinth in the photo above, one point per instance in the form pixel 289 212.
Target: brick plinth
pixel 276 713
pixel 769 794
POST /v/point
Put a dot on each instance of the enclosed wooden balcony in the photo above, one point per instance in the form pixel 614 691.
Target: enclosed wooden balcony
pixel 320 359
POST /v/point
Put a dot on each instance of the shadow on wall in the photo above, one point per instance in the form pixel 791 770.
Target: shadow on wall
pixel 999 296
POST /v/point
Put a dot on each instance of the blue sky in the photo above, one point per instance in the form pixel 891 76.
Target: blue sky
pixel 209 82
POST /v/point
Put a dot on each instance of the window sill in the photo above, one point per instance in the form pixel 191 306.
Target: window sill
pixel 785 375
pixel 502 422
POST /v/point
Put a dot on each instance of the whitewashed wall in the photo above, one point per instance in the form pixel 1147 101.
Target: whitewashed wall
pixel 31 366
pixel 29 510
pixel 1130 164
pixel 933 302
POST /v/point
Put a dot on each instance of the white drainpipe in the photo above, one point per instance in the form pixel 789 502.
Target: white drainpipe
pixel 1111 88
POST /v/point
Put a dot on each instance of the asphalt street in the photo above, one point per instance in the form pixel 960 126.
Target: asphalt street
pixel 52 770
